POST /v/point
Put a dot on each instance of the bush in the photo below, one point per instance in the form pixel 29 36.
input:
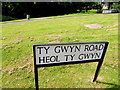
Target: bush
pixel 6 18
pixel 116 6
pixel 99 11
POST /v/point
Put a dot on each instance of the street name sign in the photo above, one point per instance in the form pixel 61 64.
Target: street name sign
pixel 46 55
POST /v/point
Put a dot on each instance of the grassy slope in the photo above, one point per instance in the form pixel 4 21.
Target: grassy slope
pixel 50 17
pixel 17 56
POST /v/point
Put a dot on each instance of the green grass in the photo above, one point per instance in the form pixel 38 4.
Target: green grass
pixel 17 53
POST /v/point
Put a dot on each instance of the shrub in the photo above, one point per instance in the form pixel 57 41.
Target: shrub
pixel 6 18
pixel 116 6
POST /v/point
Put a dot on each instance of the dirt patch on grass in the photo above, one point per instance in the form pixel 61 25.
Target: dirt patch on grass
pixel 54 38
pixel 95 26
pixel 4 38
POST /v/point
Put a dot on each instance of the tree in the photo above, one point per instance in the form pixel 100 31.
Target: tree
pixel 116 6
pixel 40 9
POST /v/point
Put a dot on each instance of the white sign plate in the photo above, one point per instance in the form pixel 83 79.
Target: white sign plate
pixel 69 52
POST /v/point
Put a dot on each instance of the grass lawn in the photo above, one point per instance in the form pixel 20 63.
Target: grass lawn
pixel 17 54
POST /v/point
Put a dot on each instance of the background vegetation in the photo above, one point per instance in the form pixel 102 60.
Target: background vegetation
pixel 19 10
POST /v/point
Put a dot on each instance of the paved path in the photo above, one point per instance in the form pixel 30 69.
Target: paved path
pixel 42 19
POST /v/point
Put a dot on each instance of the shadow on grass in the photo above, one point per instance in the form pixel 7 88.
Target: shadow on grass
pixel 113 85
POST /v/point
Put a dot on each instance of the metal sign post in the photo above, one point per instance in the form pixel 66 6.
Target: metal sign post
pixel 47 55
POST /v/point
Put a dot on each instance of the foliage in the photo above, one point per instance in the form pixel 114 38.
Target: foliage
pixel 40 9
pixel 6 18
pixel 14 9
pixel 116 6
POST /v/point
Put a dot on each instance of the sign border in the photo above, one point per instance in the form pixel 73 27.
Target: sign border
pixel 72 62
